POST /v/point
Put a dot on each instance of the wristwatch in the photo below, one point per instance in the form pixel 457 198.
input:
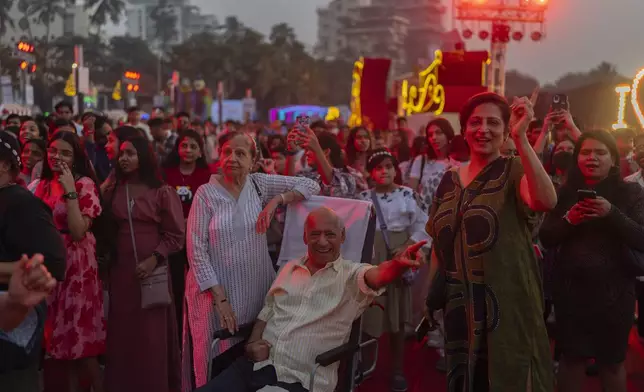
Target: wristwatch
pixel 70 196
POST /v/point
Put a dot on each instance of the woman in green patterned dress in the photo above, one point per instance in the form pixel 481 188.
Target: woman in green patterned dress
pixel 496 337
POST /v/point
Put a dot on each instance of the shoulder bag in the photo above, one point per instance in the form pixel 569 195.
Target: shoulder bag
pixel 155 289
pixel 409 276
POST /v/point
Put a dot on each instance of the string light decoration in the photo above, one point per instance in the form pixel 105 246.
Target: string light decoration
pixel 356 109
pixel 429 95
pixel 622 91
pixel 635 95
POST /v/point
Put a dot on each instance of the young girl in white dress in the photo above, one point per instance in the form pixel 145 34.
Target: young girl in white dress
pixel 401 222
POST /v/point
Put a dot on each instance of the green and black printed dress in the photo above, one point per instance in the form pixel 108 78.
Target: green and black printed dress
pixel 496 337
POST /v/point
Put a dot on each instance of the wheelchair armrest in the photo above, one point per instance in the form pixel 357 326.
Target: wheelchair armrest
pixel 243 332
pixel 337 354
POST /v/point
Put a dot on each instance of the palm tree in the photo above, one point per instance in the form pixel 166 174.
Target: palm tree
pixel 5 18
pixel 112 9
pixel 282 35
pixel 43 12
pixel 46 11
pixel 165 24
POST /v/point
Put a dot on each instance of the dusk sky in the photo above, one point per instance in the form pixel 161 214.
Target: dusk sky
pixel 580 33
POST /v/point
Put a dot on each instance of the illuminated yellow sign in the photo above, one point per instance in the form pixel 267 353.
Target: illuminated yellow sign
pixel 623 91
pixel 332 114
pixel 429 95
pixel 356 111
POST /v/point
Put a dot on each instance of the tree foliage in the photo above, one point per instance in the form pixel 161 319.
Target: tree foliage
pixel 104 10
pixel 277 68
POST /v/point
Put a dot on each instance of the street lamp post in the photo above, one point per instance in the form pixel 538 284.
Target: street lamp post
pixel 78 64
pixel 25 52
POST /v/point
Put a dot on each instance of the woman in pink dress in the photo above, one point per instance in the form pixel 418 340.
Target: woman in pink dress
pixel 75 326
pixel 142 344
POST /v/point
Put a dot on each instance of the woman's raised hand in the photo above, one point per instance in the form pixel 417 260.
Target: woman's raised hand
pixel 522 114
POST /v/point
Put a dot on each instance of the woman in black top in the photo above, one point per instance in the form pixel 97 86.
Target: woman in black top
pixel 593 290
pixel 26 228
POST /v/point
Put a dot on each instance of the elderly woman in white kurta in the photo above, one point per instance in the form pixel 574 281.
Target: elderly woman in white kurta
pixel 230 267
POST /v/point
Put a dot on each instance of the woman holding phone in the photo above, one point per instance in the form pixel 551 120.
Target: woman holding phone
pixel 597 219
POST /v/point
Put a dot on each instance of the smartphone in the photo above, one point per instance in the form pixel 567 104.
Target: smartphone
pixel 302 122
pixel 583 194
pixel 422 329
pixel 559 102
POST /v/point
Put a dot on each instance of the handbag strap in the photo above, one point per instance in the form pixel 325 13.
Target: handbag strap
pixel 381 220
pixel 259 192
pixel 130 205
pixel 422 169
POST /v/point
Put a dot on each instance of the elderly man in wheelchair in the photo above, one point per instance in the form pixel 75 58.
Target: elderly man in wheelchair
pixel 310 310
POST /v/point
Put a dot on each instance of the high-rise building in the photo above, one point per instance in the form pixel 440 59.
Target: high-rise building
pixel 75 22
pixel 407 31
pixel 188 20
pixel 424 31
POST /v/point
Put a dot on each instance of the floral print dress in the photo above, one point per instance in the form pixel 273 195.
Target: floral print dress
pixel 75 326
pixel 430 175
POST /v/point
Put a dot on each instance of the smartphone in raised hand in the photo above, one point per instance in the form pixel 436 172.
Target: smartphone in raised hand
pixel 583 194
pixel 559 102
pixel 302 123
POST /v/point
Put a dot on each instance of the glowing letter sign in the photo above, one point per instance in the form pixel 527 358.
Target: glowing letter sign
pixel 622 91
pixel 356 111
pixel 429 95
pixel 634 91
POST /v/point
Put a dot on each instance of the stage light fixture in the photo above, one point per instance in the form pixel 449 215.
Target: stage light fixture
pixel 467 33
pixel 536 36
pixel 484 34
pixel 517 36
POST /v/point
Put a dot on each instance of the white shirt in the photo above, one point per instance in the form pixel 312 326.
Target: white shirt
pixel 636 178
pixel 307 315
pixel 402 213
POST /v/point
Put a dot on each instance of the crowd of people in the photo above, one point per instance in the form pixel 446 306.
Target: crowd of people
pixel 180 222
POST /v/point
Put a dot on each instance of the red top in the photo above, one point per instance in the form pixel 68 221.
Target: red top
pixel 186 185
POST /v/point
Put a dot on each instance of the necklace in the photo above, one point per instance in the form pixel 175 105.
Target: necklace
pixel 184 176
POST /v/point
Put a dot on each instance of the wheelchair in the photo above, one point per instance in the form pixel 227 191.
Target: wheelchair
pixel 351 371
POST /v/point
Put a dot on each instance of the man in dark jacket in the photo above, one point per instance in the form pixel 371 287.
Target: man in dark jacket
pixel 26 228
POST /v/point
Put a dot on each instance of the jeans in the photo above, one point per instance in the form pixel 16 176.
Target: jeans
pixel 240 377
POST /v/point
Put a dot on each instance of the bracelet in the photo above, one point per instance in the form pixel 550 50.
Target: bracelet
pixel 282 198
